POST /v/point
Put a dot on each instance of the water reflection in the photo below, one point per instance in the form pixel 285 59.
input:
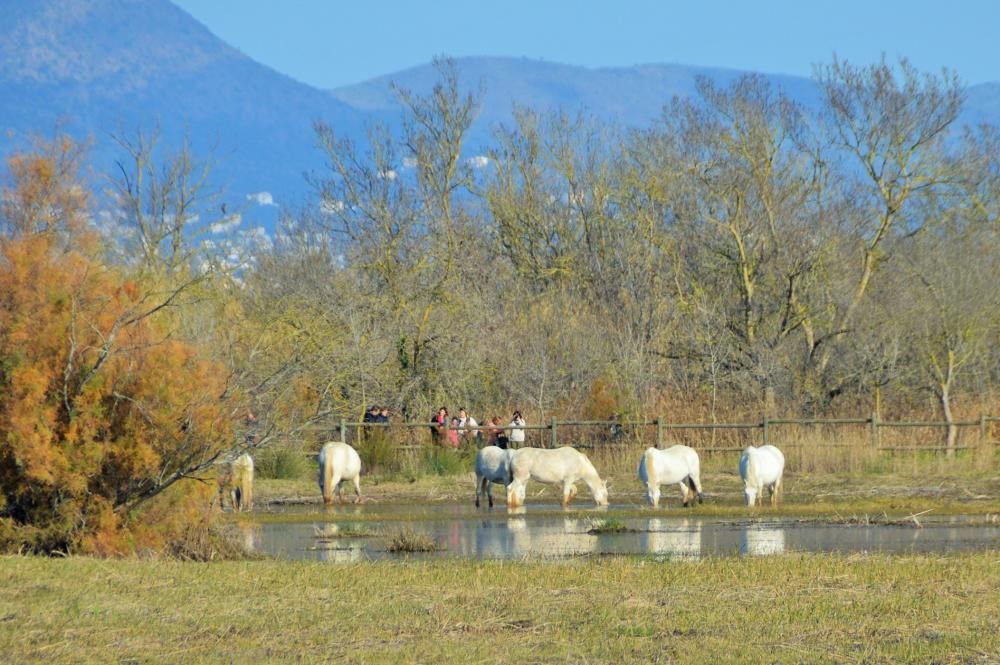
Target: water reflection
pixel 761 541
pixel 547 532
pixel 675 538
pixel 335 552
pixel 248 536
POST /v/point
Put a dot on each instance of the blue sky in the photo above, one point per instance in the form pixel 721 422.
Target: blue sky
pixel 328 43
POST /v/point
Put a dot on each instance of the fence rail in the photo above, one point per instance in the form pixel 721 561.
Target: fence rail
pixel 614 431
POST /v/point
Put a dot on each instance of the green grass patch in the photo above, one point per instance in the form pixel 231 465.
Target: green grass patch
pixel 784 609
pixel 407 540
pixel 608 525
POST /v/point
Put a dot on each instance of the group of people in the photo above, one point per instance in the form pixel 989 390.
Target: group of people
pixel 454 431
pixel 376 414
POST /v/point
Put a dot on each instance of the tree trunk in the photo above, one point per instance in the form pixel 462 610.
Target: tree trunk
pixel 951 431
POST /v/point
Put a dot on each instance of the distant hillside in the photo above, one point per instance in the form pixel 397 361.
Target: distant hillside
pixel 103 66
pixel 629 96
pixel 96 67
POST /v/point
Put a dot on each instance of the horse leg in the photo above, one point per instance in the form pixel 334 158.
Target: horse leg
pixel 684 494
pixel 488 486
pixel 479 488
pixel 695 483
pixel 569 491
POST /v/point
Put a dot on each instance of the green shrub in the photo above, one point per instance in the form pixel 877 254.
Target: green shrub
pixel 445 461
pixel 378 452
pixel 281 463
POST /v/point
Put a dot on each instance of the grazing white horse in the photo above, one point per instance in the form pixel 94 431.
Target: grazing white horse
pixel 235 479
pixel 676 464
pixel 338 462
pixel 492 466
pixel 761 467
pixel 563 466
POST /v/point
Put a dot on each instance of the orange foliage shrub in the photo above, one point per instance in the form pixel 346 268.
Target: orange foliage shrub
pixel 100 411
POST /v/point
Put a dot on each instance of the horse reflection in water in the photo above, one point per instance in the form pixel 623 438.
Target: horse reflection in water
pixel 334 549
pixel 762 542
pixel 676 538
pixel 248 536
pixel 514 537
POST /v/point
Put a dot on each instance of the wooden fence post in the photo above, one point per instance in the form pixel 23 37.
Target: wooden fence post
pixel 764 426
pixel 874 429
pixel 554 442
pixel 983 431
pixel 659 431
pixel 343 430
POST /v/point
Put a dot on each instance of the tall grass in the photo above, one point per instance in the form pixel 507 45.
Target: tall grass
pixel 282 463
pixel 378 452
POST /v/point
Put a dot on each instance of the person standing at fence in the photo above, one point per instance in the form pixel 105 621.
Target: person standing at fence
pixel 497 435
pixel 439 426
pixel 517 425
pixel 468 427
pixel 452 437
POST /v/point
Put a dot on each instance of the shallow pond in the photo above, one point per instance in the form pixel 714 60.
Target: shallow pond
pixel 348 533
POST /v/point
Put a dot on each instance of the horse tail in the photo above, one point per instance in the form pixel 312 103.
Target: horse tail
pixel 646 466
pixel 327 474
pixel 246 482
pixel 695 487
pixel 694 475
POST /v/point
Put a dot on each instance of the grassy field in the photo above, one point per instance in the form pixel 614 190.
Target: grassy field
pixel 790 609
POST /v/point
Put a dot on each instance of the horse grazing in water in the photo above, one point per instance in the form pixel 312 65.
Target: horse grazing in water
pixel 492 466
pixel 338 462
pixel 563 466
pixel 235 479
pixel 676 464
pixel 761 467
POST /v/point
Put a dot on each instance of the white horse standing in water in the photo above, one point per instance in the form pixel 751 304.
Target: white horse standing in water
pixel 235 478
pixel 561 466
pixel 676 464
pixel 338 462
pixel 492 466
pixel 761 467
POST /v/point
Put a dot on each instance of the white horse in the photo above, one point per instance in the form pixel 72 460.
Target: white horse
pixel 676 464
pixel 235 479
pixel 563 466
pixel 761 467
pixel 492 466
pixel 338 462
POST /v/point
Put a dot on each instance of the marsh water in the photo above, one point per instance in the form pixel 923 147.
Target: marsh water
pixel 348 533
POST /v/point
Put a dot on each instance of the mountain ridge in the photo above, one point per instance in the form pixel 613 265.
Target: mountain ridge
pixel 100 67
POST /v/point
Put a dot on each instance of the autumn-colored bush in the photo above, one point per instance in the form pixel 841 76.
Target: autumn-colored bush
pixel 101 409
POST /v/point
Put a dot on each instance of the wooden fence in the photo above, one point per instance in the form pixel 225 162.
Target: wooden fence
pixel 617 433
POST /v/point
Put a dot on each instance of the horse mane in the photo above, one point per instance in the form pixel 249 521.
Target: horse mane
pixel 751 466
pixel 327 474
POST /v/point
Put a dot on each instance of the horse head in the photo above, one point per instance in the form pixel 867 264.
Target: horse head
pixel 601 493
